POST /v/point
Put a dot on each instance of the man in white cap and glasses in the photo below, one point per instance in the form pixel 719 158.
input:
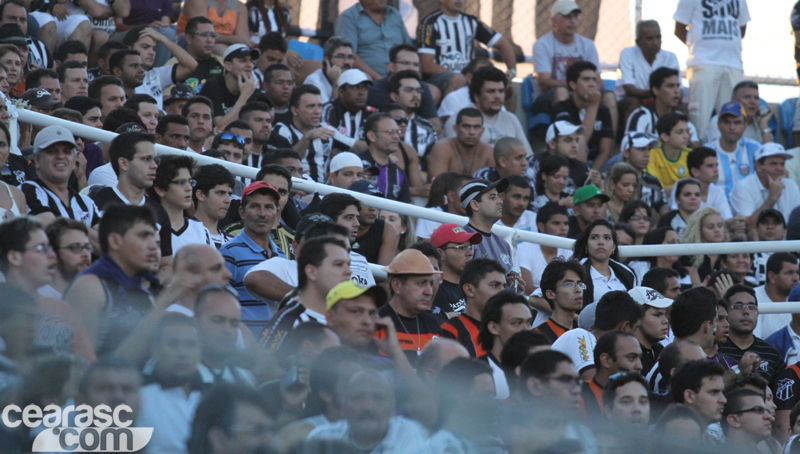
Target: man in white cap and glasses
pixel 348 112
pixel 767 187
pixel 49 196
pixel 232 89
pixel 655 325
pixel 635 148
pixel 563 139
pixel 346 168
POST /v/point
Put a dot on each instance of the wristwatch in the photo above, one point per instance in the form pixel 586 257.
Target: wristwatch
pixel 766 131
pixel 738 373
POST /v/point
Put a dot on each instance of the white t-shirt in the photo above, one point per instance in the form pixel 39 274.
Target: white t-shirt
pixel 455 101
pixel 635 70
pixel 318 79
pixel 504 124
pixel 425 227
pixel 501 389
pixel 552 56
pixel 714 30
pixel 103 175
pixel 768 323
pixel 172 411
pixel 155 81
pixel 404 435
pixel 526 222
pixel 716 199
pixel 578 344
pixel 749 194
pixel 530 257
pixel 193 232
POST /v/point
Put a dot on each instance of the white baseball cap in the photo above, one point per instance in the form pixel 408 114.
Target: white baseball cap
pixel 564 7
pixel 240 51
pixel 51 135
pixel 772 149
pixel 345 159
pixel 645 296
pixel 638 140
pixel 353 77
pixel 562 128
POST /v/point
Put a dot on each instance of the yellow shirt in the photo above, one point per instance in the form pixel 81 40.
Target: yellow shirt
pixel 666 170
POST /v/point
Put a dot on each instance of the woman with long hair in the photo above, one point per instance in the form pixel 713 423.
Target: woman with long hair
pixel 438 194
pixel 405 228
pixel 687 197
pixel 638 215
pixel 12 201
pixel 596 249
pixel 622 186
pixel 551 179
pixel 704 226
pixel 661 235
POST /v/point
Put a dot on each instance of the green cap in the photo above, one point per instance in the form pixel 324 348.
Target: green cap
pixel 587 192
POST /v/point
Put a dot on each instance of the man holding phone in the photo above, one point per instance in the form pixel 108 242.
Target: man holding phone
pixel 232 89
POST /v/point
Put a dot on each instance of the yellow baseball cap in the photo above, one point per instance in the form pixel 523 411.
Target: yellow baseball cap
pixel 348 290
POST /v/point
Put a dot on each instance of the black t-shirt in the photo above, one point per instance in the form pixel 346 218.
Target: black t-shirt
pixel 650 357
pixel 206 69
pixel 369 244
pixel 222 99
pixel 450 298
pixel 603 128
pixel 107 196
pixel 771 359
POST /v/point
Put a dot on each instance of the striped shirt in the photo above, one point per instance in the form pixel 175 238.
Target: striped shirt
pixel 346 122
pixel 285 321
pixel 421 135
pixel 241 254
pixel 592 396
pixel 392 180
pixel 40 199
pixel 771 359
pixel 39 53
pixel 315 161
pixel 735 165
pixel 412 333
pixel 449 39
pixel 464 329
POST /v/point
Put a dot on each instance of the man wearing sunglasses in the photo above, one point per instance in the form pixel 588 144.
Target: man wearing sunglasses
pixel 745 420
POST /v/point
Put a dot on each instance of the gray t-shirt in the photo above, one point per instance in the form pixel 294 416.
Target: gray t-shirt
pixel 552 56
pixel 494 247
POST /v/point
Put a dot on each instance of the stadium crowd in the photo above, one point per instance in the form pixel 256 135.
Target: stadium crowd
pixel 241 316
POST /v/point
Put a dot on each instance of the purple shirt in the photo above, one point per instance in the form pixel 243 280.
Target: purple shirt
pixel 145 12
pixel 94 157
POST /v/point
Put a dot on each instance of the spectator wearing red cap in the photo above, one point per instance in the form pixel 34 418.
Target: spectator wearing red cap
pixel 456 247
pixel 252 246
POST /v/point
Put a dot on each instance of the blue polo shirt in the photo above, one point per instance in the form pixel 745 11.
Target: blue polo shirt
pixel 241 254
pixel 371 42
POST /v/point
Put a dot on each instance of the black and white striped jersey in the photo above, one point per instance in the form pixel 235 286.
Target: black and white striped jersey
pixel 315 161
pixel 348 123
pixel 449 39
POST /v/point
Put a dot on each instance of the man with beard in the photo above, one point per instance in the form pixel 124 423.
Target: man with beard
pixel 175 388
pixel 743 319
pixel 28 261
pixel 144 39
pixel 219 316
pixel 405 88
pixel 349 111
pixel 464 153
pixel 615 352
pixel 259 116
pixel 655 325
pixel 383 138
pixel 70 241
pixel 368 407
pixel 278 84
pixel 484 206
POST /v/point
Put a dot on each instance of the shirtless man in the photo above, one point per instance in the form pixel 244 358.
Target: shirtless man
pixel 464 153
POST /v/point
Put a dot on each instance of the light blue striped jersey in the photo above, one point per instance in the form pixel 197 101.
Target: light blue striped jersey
pixel 735 165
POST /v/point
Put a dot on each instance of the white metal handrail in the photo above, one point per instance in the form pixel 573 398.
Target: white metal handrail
pixel 100 135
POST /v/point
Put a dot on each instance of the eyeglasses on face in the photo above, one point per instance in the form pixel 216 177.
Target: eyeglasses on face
pixel 184 181
pixel 749 307
pixel 77 248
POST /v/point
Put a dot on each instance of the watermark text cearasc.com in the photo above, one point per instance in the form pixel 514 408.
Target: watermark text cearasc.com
pixel 79 428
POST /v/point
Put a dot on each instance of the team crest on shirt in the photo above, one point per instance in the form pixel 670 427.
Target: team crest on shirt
pixel 785 389
pixel 764 366
pixel 681 170
pixel 505 258
pixel 396 191
pixel 744 170
pixel 598 125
